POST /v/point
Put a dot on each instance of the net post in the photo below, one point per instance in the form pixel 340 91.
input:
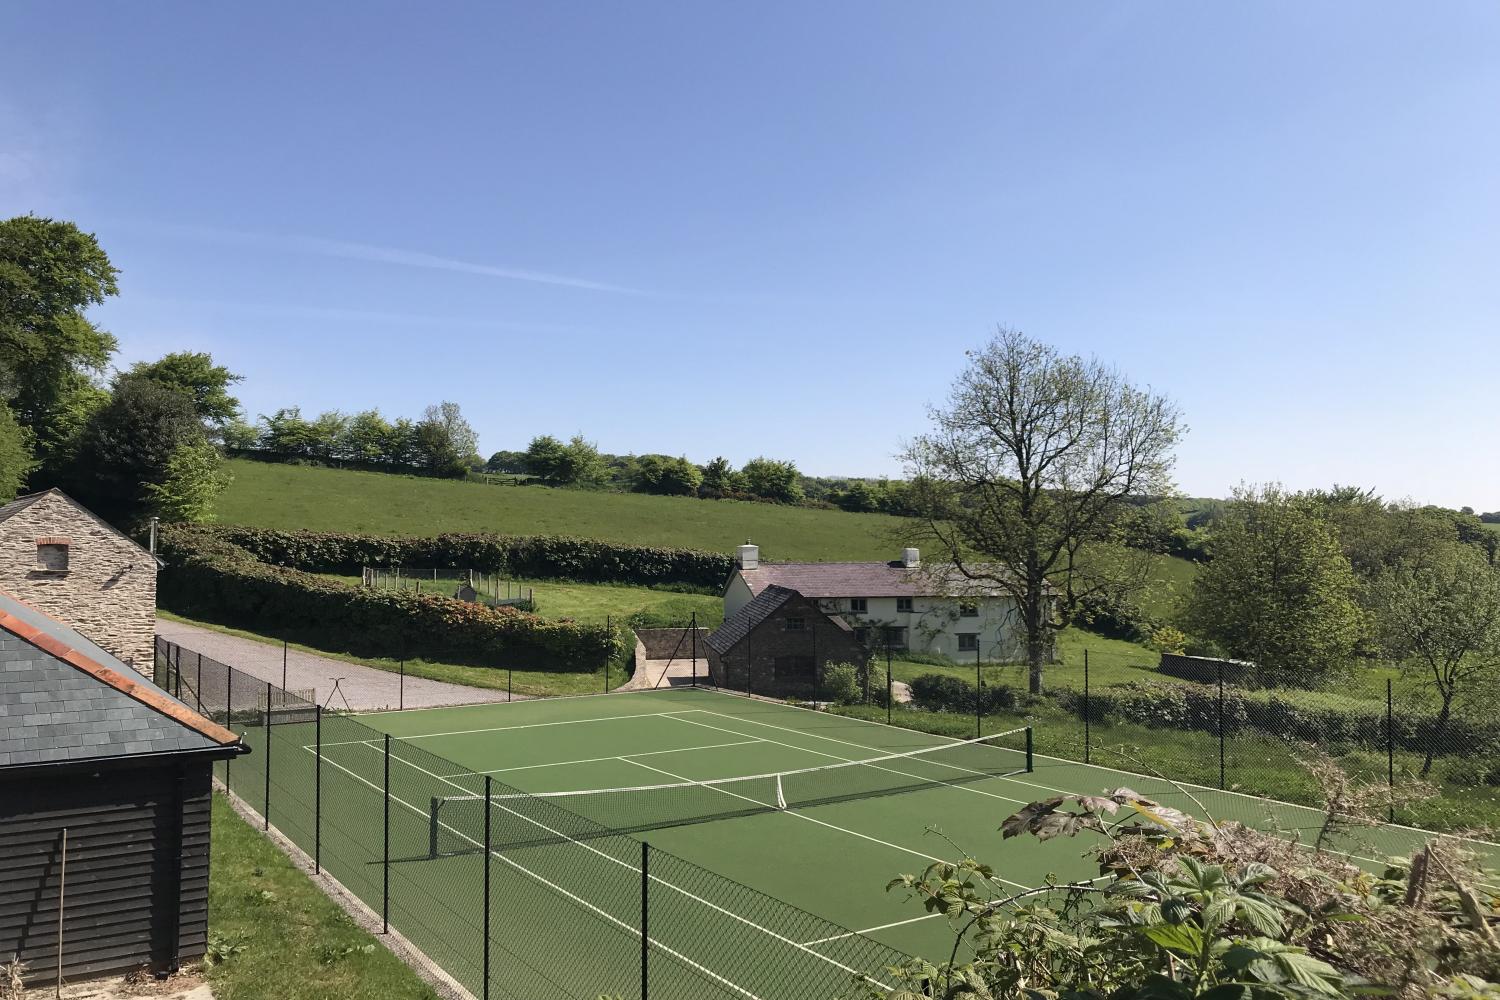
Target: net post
pixel 1221 725
pixel 1390 750
pixel 385 821
pixel 1086 732
pixel 645 916
pixel 487 860
pixel 318 789
pixel 1030 751
pixel 265 812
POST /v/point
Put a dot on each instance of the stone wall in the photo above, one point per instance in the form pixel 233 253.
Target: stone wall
pixel 786 662
pixel 107 592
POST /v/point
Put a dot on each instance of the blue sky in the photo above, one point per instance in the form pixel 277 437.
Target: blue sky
pixel 776 227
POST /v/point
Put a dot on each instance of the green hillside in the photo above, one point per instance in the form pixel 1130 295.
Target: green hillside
pixel 293 496
pixel 290 496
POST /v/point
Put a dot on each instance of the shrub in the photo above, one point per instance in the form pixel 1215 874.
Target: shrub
pixel 841 683
pixel 211 577
pixel 537 557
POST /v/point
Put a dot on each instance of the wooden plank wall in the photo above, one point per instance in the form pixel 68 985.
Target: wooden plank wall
pixel 122 867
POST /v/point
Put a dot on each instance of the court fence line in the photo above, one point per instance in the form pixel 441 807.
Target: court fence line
pixel 584 911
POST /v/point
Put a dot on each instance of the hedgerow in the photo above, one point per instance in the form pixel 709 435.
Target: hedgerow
pixel 1193 707
pixel 533 557
pixel 208 575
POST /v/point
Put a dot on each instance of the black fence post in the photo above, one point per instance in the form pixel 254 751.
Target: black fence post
pixel 1086 706
pixel 228 715
pixel 487 859
pixel 1221 726
pixel 385 875
pixel 265 812
pixel 283 664
pixel 978 694
pixel 199 685
pixel 889 693
pixel 645 915
pixel 177 670
pixel 509 670
pixel 318 788
pixel 694 627
pixel 609 652
pixel 401 684
pixel 817 667
pixel 1390 749
pixel 749 665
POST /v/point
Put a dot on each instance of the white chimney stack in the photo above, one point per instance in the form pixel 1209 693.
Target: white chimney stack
pixel 749 556
pixel 911 558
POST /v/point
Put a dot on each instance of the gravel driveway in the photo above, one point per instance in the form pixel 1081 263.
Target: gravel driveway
pixel 366 688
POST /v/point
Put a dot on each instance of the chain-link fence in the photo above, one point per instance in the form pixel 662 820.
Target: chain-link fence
pixel 510 894
pixel 1218 725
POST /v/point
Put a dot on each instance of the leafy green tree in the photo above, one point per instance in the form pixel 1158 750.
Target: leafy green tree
pixel 50 353
pixel 433 445
pixel 509 462
pixel 330 432
pixel 859 496
pixel 1028 468
pixel 194 374
pixel 194 479
pixel 401 443
pixel 772 479
pixel 288 433
pixel 461 436
pixel 367 437
pixel 719 478
pixel 241 436
pixel 582 464
pixel 668 476
pixel 545 456
pixel 1279 590
pixel 16 462
pixel 129 444
pixel 1441 618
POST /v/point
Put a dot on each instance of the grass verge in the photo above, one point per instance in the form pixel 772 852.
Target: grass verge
pixel 276 936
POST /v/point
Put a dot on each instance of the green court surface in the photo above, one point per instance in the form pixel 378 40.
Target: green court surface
pixel 566 891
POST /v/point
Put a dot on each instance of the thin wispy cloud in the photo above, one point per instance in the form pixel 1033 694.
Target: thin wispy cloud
pixel 346 250
pixel 337 313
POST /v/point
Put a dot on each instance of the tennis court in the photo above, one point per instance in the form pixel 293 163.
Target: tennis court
pixel 652 764
pixel 774 831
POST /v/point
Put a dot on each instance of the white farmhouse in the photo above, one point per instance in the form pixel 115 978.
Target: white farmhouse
pixel 924 610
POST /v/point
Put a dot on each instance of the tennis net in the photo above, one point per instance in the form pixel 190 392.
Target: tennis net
pixel 523 820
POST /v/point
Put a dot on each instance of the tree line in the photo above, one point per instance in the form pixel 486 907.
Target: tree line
pixel 579 463
pixel 442 443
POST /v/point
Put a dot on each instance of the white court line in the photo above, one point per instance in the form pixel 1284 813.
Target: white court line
pixel 1262 800
pixel 663 882
pixel 872 930
pixel 858 760
pixel 529 725
pixel 595 760
pixel 557 888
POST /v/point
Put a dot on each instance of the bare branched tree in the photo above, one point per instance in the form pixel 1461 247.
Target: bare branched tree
pixel 1027 472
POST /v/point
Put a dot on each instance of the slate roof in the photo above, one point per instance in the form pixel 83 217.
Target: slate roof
pixel 19 504
pixel 62 698
pixel 866 579
pixel 762 606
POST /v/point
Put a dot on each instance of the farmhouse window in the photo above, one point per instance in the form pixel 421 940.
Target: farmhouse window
pixel 858 605
pixel 968 642
pixel 903 605
pixel 794 625
pixel 968 609
pixel 52 555
pixel 896 637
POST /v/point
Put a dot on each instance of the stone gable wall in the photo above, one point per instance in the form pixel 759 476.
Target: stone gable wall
pixel 108 592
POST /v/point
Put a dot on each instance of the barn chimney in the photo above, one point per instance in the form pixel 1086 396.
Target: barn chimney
pixel 911 558
pixel 749 556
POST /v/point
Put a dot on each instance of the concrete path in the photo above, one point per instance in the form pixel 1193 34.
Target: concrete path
pixel 366 688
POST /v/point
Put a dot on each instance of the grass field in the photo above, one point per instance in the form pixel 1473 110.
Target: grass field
pixel 288 496
pixel 280 937
pixel 595 602
pixel 566 899
pixel 291 497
